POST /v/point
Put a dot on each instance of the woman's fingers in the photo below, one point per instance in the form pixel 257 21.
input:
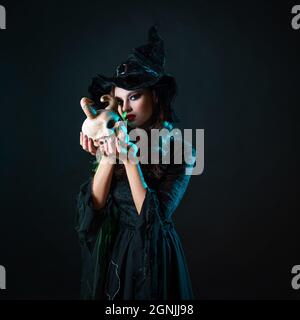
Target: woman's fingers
pixel 111 145
pixel 80 139
pixel 105 148
pixel 102 150
pixel 121 135
pixel 91 147
pixel 108 146
pixel 117 144
pixel 102 146
pixel 85 143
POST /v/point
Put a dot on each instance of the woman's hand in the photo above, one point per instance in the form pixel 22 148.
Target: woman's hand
pixel 87 144
pixel 108 148
pixel 112 147
pixel 118 147
pixel 103 148
pixel 127 150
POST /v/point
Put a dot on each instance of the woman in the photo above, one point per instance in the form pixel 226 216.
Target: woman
pixel 130 248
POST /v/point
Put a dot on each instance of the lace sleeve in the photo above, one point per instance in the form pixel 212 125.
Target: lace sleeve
pixel 88 219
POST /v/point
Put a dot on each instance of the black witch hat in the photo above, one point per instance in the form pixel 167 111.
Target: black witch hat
pixel 144 67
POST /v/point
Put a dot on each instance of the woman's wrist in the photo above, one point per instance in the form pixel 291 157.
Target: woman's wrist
pixel 127 163
pixel 106 161
pixel 130 162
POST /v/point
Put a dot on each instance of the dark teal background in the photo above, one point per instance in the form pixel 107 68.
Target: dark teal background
pixel 237 68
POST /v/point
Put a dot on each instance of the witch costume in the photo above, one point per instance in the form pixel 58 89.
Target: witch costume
pixel 126 255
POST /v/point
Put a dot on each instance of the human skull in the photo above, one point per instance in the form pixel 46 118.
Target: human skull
pixel 100 123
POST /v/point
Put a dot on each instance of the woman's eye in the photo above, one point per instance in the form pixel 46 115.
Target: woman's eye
pixel 136 96
pixel 119 102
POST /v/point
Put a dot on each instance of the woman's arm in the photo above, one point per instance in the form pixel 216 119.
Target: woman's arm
pixel 137 184
pixel 133 170
pixel 165 196
pixel 102 179
pixel 103 176
pixel 101 183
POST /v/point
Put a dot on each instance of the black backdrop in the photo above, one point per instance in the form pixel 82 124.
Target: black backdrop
pixel 237 67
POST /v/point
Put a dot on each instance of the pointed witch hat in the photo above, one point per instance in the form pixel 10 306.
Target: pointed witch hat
pixel 144 67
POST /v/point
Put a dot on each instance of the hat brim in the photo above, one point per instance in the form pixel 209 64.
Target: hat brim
pixel 102 85
pixel 128 83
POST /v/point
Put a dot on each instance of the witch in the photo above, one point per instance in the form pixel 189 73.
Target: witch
pixel 130 248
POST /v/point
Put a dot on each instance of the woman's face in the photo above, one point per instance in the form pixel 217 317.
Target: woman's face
pixel 138 104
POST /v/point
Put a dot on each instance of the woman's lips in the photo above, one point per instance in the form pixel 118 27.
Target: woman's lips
pixel 130 117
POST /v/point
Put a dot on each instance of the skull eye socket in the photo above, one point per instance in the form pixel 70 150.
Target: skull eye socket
pixel 110 124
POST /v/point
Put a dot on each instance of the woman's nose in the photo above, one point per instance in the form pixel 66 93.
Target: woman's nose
pixel 126 107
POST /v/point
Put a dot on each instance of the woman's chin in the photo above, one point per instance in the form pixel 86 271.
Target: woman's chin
pixel 132 124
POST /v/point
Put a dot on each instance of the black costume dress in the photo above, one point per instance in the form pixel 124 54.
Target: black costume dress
pixel 130 256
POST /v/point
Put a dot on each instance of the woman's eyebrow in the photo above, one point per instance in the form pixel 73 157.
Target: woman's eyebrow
pixel 133 92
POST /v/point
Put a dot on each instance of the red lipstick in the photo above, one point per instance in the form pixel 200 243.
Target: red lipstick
pixel 130 117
